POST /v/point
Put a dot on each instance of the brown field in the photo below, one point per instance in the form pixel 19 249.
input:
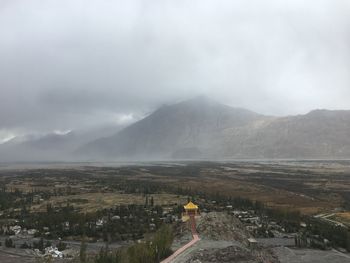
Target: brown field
pixel 310 186
pixel 90 202
pixel 343 217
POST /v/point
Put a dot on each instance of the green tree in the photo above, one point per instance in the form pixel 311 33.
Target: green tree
pixel 82 254
pixel 146 202
pixel 8 242
pixel 348 241
pixel 105 256
pixel 162 242
pixel 41 244
pixel 141 253
pixel 61 246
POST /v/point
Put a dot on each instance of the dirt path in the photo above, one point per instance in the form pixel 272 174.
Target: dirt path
pixel 195 239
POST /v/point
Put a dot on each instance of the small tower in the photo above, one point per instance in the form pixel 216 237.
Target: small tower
pixel 191 210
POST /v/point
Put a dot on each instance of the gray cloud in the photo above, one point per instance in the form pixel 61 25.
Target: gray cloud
pixel 69 64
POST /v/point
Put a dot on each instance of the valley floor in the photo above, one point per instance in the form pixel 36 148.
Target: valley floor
pixel 135 200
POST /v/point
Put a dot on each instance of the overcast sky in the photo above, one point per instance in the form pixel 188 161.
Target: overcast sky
pixel 69 64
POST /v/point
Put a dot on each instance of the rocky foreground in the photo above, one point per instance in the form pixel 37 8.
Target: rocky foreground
pixel 223 239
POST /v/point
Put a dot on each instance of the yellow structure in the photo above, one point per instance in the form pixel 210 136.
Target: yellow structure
pixel 190 210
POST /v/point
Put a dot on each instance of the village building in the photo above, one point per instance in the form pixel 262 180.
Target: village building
pixel 252 243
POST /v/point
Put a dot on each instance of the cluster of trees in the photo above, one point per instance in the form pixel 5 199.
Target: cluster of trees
pixel 122 222
pixel 338 236
pixel 9 199
pixel 106 256
pixel 151 251
pixel 145 187
pixel 14 198
pixel 133 221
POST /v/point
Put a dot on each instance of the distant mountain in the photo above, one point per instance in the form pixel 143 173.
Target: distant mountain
pixel 202 128
pixel 51 146
pixel 196 129
pixel 316 135
pixel 36 147
pixel 189 129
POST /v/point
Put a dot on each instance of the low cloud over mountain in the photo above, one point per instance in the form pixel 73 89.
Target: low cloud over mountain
pixel 201 128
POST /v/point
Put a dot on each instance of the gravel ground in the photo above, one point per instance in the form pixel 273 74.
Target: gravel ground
pixel 202 246
pixel 276 242
pixel 221 226
pixel 287 255
pixel 11 255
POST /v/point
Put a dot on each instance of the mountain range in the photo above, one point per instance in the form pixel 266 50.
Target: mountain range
pixel 201 128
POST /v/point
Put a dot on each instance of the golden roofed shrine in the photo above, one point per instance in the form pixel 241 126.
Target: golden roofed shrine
pixel 191 210
pixel 191 206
